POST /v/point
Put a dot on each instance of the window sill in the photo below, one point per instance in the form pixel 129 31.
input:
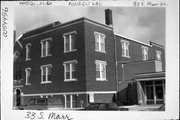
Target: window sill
pixel 28 84
pixel 100 51
pixel 46 56
pixel 70 51
pixel 69 80
pixel 99 79
pixel 126 56
pixel 28 59
pixel 46 82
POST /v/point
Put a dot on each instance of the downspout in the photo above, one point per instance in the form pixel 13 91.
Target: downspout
pixel 116 63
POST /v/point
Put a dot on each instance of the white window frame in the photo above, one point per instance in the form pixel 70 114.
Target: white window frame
pixel 70 41
pixel 99 42
pixel 28 71
pixel 158 52
pixel 101 63
pixel 69 62
pixel 46 67
pixel 144 52
pixel 70 101
pixel 46 46
pixel 28 50
pixel 125 48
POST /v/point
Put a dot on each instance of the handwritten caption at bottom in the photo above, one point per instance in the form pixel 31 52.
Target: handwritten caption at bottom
pixel 44 116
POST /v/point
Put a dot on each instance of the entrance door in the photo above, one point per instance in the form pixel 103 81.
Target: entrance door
pixel 18 97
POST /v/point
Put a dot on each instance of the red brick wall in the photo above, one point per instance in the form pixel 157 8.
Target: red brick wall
pixel 91 55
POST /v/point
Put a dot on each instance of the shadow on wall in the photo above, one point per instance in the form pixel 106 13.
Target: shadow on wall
pixel 127 95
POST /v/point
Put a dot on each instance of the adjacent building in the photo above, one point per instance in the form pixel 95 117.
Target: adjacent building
pixel 83 61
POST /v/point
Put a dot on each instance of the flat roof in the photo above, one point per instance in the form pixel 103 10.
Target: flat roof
pixel 58 26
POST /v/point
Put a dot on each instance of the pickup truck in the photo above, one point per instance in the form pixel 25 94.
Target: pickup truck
pixel 42 104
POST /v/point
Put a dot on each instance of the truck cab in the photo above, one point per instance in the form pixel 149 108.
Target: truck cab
pixel 42 104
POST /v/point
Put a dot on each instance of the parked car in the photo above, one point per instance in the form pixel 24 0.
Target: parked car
pixel 102 106
pixel 42 104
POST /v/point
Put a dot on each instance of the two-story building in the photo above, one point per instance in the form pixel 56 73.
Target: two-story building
pixel 136 58
pixel 80 62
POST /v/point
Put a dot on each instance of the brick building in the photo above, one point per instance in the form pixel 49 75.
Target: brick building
pixel 82 61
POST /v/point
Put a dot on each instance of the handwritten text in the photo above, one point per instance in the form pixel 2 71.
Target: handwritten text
pixel 149 4
pixel 33 3
pixel 85 3
pixel 51 116
pixel 4 21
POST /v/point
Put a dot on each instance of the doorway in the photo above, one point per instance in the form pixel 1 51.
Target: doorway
pixel 18 97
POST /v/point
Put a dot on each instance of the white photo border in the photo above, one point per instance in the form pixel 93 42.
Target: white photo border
pixel 172 70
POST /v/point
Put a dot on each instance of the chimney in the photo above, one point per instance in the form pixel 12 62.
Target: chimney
pixel 108 17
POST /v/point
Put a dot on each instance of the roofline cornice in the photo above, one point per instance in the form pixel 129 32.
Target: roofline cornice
pixel 66 24
pixel 132 40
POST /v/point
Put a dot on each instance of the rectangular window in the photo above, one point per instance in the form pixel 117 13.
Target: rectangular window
pixel 70 41
pixel 158 55
pixel 28 73
pixel 46 73
pixel 99 42
pixel 154 90
pixel 70 70
pixel 28 46
pixel 74 101
pixel 100 70
pixel 46 47
pixel 125 48
pixel 144 53
pixel 70 101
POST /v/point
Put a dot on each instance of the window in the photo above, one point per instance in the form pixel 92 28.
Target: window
pixel 70 101
pixel 158 55
pixel 125 48
pixel 70 41
pixel 70 70
pixel 100 70
pixel 28 73
pixel 154 90
pixel 99 42
pixel 28 46
pixel 46 47
pixel 46 73
pixel 74 101
pixel 144 53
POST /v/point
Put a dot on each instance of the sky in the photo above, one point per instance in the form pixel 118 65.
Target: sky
pixel 142 24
